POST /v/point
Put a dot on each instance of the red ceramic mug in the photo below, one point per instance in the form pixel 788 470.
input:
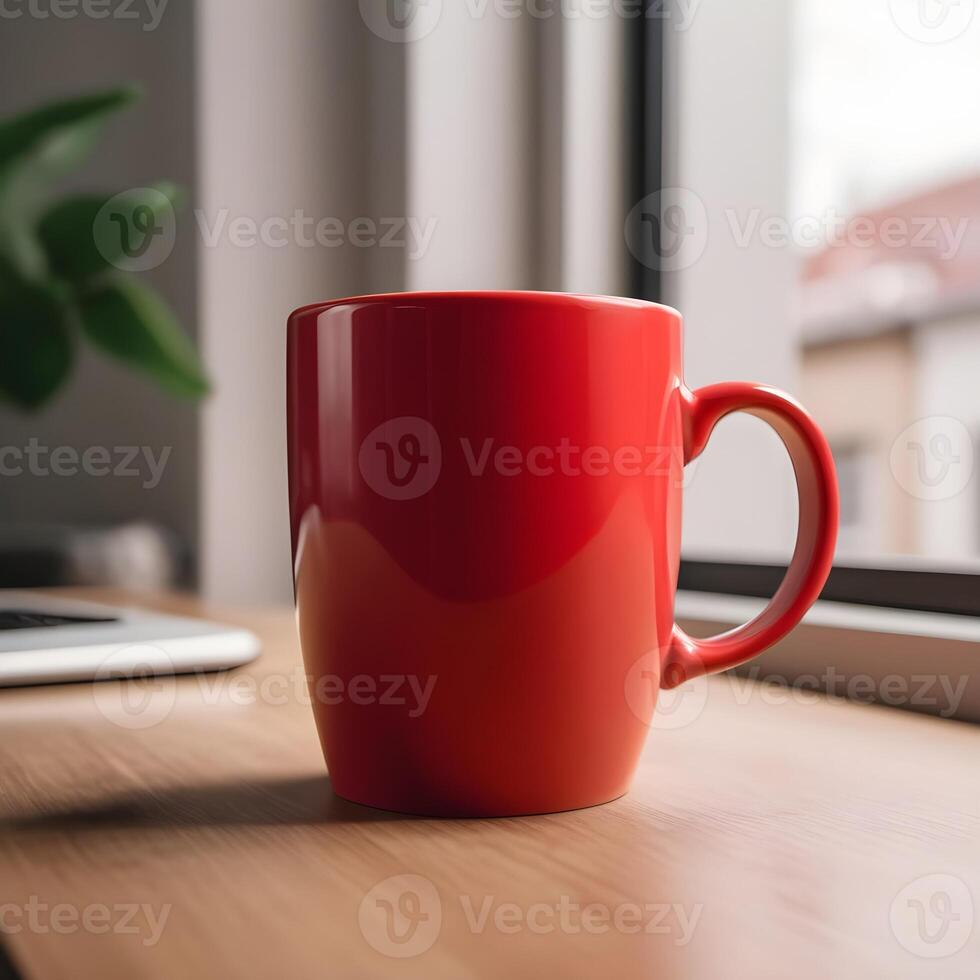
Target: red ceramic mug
pixel 485 496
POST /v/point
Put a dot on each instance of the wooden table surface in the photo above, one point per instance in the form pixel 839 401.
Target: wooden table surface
pixel 194 834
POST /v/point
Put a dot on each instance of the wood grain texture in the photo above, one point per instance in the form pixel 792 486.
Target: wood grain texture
pixel 768 836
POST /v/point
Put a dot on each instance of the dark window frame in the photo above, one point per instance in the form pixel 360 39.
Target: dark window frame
pixel 919 588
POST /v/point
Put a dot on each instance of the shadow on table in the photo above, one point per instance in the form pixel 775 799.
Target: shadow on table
pixel 279 802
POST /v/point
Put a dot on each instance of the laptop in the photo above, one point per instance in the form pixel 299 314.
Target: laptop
pixel 49 640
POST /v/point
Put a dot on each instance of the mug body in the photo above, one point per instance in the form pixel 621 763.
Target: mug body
pixel 485 499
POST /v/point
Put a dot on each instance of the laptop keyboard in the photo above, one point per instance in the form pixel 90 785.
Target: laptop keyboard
pixel 20 619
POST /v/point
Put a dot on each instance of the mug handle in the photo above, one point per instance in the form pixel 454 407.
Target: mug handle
pixel 816 480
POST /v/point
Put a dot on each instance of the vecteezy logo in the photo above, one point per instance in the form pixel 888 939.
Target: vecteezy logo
pixel 663 710
pixel 144 221
pixel 932 916
pixel 401 916
pixel 136 230
pixel 401 459
pixel 933 458
pixel 134 687
pixel 668 230
pixel 932 21
pixel 401 20
pixel 402 13
pixel 941 452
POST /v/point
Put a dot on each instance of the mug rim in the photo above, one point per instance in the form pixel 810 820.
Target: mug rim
pixel 579 300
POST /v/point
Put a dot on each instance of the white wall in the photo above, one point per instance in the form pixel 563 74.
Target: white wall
pixel 471 109
pixel 594 146
pixel 947 355
pixel 728 143
pixel 282 122
pixel 516 144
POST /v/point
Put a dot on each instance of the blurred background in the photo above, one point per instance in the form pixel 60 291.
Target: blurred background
pixel 801 178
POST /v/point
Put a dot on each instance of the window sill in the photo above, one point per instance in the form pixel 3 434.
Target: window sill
pixel 920 661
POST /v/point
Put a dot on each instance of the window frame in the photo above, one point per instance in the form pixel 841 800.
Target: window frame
pixel 906 584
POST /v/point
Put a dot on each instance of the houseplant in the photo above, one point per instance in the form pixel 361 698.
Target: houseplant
pixel 65 261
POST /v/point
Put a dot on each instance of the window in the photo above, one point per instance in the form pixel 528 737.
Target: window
pixel 825 160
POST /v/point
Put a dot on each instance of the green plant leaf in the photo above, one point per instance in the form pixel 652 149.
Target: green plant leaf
pixel 19 248
pixel 54 136
pixel 79 240
pixel 130 322
pixel 36 352
pixel 8 274
pixel 35 148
